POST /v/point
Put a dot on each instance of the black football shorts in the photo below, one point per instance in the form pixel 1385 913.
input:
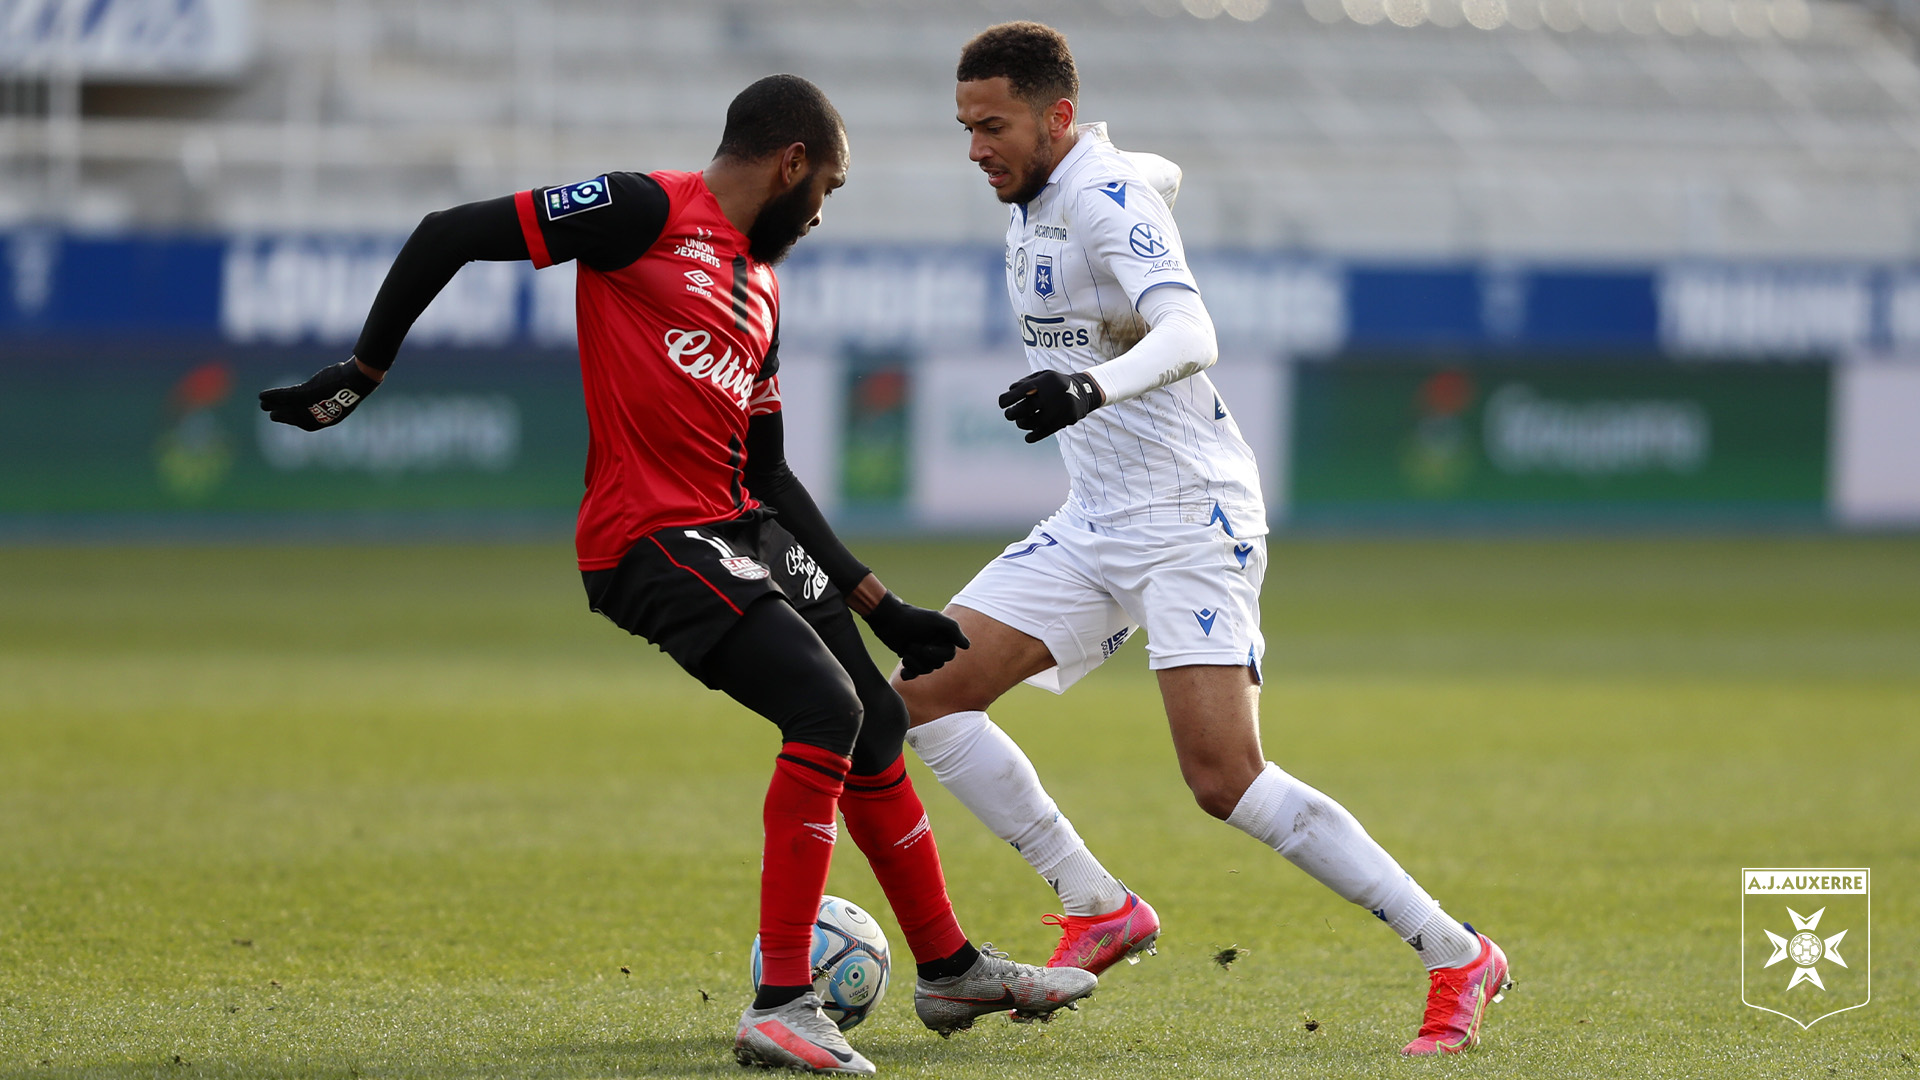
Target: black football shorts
pixel 683 587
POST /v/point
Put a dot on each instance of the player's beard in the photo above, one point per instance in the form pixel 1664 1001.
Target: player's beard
pixel 781 223
pixel 1039 170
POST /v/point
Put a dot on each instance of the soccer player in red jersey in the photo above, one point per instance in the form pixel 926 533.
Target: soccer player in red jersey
pixel 678 311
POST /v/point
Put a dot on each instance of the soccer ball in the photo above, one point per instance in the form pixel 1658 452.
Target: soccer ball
pixel 850 962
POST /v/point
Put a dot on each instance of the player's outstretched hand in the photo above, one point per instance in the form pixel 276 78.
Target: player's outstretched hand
pixel 923 639
pixel 1046 401
pixel 321 401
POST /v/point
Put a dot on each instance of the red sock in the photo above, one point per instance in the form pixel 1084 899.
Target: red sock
pixel 885 817
pixel 800 829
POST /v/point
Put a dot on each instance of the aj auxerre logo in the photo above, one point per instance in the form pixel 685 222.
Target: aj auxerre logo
pixel 688 351
pixel 1048 333
pixel 1825 938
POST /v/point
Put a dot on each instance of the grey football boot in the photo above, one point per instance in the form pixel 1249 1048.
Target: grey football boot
pixel 997 984
pixel 796 1036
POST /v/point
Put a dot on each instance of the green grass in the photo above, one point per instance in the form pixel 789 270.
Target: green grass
pixel 409 811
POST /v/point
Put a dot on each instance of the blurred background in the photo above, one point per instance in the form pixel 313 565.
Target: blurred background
pixel 1474 263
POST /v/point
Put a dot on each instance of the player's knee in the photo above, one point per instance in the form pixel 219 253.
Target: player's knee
pixel 830 718
pixel 926 700
pixel 1216 790
pixel 882 733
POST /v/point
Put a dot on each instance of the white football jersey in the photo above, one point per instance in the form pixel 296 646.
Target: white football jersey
pixel 1079 257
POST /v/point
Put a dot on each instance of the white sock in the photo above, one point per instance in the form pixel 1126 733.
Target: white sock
pixel 1319 836
pixel 986 771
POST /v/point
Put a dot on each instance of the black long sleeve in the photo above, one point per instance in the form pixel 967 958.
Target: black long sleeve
pixel 625 216
pixel 444 241
pixel 772 481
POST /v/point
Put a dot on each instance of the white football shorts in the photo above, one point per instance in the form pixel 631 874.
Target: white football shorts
pixel 1084 589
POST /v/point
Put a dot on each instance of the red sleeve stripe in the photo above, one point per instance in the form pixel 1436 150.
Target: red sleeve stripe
pixel 530 228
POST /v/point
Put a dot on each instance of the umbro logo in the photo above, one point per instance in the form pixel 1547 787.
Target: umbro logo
pixel 827 831
pixel 700 278
pixel 1205 616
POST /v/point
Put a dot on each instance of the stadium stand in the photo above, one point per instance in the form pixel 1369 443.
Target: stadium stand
pixel 1583 129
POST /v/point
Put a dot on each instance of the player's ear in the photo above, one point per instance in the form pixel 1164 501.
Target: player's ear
pixel 793 164
pixel 1059 118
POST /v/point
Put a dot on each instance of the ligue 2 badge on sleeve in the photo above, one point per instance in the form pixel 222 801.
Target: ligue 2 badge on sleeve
pixel 1806 940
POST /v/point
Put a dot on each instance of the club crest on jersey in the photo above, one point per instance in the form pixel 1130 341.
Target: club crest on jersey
pixel 1146 241
pixel 1043 275
pixel 578 198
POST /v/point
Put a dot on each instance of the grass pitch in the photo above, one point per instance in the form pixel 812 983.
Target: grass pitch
pixel 412 811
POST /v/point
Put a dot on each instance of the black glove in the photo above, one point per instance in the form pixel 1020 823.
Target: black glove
pixel 1046 401
pixel 923 639
pixel 321 401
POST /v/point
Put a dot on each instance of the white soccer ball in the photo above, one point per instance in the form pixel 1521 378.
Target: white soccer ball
pixel 850 961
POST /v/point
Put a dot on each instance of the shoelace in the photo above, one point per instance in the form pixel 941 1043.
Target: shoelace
pixel 1067 925
pixel 1442 1008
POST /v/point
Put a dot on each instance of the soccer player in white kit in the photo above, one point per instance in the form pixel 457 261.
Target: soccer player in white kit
pixel 1164 527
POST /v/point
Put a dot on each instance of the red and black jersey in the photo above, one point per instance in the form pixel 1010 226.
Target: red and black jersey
pixel 679 345
pixel 678 349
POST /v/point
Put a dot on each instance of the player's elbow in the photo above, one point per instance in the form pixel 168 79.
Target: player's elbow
pixel 435 226
pixel 1203 343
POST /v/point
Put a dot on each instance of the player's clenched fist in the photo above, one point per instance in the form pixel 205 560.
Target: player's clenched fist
pixel 924 640
pixel 321 401
pixel 1046 401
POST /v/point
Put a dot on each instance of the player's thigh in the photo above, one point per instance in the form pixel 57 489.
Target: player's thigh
pixel 884 728
pixel 1036 613
pixel 996 659
pixel 773 662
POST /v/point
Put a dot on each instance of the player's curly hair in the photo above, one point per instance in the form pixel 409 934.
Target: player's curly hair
pixel 776 112
pixel 1033 58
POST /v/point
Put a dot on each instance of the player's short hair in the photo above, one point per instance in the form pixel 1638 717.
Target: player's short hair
pixel 1033 58
pixel 776 112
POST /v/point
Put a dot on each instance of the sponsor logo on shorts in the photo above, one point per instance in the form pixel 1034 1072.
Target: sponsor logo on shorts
pixel 744 568
pixel 1205 616
pixel 813 580
pixel 1112 644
